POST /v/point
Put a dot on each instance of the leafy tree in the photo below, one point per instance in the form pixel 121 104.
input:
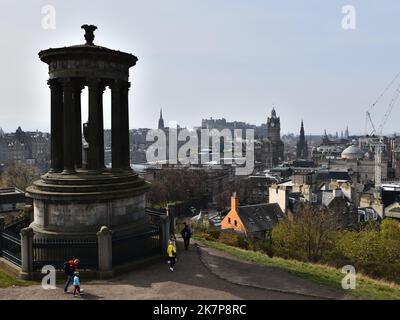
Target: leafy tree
pixel 309 236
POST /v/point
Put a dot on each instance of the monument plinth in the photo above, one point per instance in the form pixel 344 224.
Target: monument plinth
pixel 76 198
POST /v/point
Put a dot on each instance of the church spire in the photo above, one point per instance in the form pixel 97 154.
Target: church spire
pixel 302 131
pixel 302 145
pixel 273 113
pixel 161 121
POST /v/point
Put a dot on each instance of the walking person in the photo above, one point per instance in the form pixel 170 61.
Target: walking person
pixel 70 267
pixel 171 253
pixel 186 234
pixel 173 239
pixel 77 284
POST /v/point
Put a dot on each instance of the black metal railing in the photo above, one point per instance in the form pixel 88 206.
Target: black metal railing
pixel 55 252
pixel 154 217
pixel 17 225
pixel 129 248
pixel 10 247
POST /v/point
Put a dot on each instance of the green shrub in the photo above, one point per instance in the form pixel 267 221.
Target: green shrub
pixel 369 252
pixel 390 229
pixel 264 246
pixel 234 240
pixel 205 236
pixel 243 243
pixel 198 227
pixel 361 247
pixel 379 270
pixel 215 233
pixel 229 239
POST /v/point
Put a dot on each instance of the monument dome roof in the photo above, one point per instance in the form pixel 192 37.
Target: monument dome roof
pixel 89 50
pixel 352 153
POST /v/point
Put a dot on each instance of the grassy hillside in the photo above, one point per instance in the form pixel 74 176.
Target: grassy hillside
pixel 8 281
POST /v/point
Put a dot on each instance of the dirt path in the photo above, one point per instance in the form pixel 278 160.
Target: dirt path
pixel 194 278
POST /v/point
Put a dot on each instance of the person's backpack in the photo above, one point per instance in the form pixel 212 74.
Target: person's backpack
pixel 67 268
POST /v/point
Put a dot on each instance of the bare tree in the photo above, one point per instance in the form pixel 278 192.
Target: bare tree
pixel 177 185
pixel 20 176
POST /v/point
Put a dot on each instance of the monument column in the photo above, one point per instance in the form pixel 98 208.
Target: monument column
pixel 77 90
pixel 69 163
pixel 124 127
pixel 101 125
pixel 56 106
pixel 116 124
pixel 95 125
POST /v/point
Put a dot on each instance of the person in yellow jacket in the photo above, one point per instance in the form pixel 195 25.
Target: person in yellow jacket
pixel 171 253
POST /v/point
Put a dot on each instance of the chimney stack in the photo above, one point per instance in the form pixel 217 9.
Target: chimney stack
pixel 234 202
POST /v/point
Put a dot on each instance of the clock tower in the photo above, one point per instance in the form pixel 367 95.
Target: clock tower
pixel 274 127
pixel 274 136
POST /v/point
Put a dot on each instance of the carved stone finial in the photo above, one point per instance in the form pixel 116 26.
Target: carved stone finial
pixel 104 231
pixel 89 33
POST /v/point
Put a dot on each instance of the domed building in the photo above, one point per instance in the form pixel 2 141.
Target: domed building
pixel 352 153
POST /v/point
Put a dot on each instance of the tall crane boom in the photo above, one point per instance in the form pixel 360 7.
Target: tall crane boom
pixel 392 103
pixel 369 119
pixel 379 145
pixel 368 113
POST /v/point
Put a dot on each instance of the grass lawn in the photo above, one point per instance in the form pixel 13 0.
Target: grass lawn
pixel 7 280
pixel 365 287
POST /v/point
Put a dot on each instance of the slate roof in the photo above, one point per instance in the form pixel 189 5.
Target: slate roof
pixel 325 175
pixel 260 217
pixel 303 163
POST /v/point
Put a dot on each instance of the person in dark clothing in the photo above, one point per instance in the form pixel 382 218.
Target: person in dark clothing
pixel 70 267
pixel 186 234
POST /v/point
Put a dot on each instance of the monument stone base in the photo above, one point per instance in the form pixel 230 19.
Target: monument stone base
pixel 78 205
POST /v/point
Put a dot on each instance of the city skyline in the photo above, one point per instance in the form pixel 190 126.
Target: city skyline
pixel 186 148
pixel 246 59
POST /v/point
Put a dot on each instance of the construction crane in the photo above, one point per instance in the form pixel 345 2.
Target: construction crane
pixel 369 119
pixel 392 103
pixel 368 113
pixel 379 145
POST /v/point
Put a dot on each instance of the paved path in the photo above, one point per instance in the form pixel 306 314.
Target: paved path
pixel 200 273
pixel 234 270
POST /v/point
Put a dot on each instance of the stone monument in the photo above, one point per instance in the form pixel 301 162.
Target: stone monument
pixel 76 198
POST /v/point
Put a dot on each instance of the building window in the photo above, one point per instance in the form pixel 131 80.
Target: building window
pixel 235 223
pixel 229 220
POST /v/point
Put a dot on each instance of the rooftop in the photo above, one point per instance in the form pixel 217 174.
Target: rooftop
pixel 260 217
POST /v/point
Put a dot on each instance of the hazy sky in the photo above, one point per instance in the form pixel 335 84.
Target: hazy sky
pixel 215 58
